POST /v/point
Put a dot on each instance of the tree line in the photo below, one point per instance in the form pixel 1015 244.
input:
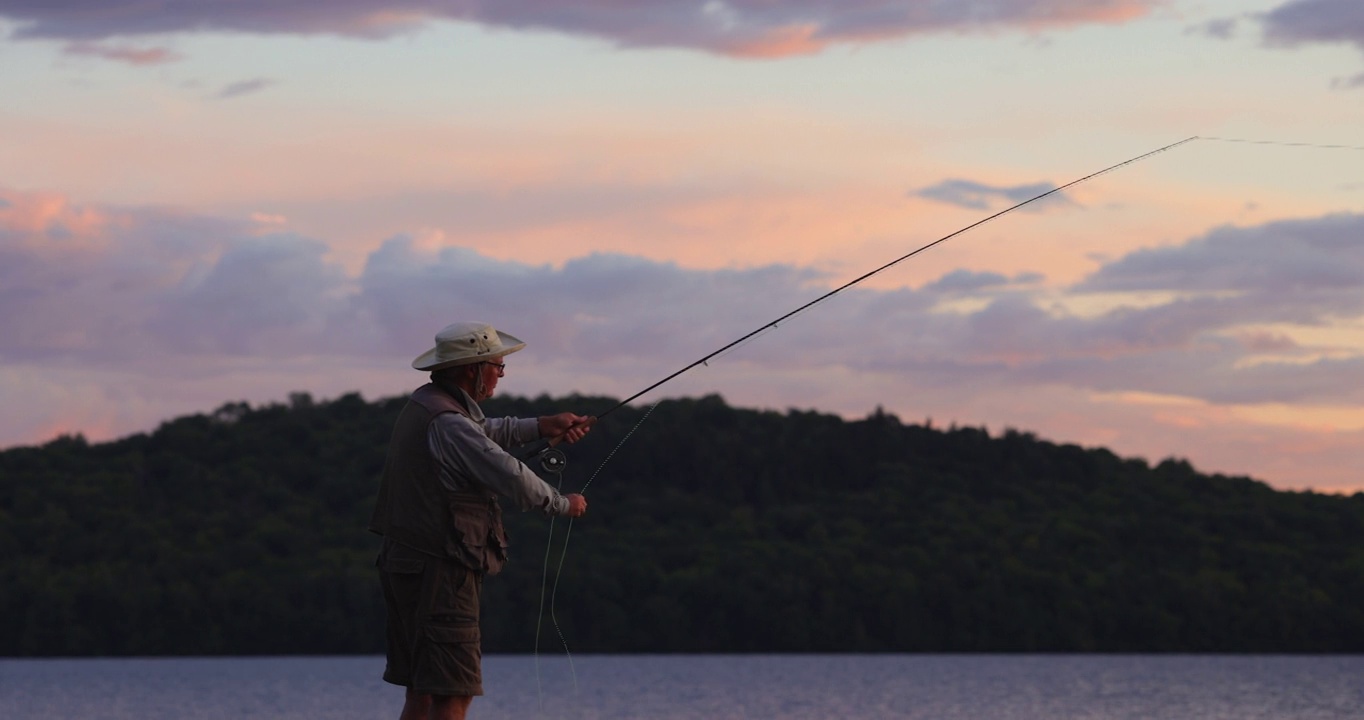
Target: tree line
pixel 714 529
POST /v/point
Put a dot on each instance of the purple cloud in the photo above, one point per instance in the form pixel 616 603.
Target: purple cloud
pixel 968 281
pixel 1349 83
pixel 1318 21
pixel 1319 258
pixel 128 316
pixel 1311 21
pixel 1220 28
pixel 140 291
pixel 742 28
pixel 245 87
pixel 150 282
pixel 980 196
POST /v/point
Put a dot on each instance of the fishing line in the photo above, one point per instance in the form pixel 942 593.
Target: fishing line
pixel 559 570
pixel 1279 143
pixel 773 325
pixel 540 616
pixel 704 360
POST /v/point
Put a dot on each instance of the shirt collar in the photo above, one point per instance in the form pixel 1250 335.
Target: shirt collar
pixel 463 398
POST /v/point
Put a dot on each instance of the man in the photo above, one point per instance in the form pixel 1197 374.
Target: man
pixel 438 513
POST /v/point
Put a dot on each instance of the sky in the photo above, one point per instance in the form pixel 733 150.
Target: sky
pixel 203 203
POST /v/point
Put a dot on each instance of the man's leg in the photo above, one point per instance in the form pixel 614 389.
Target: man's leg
pixel 435 707
pixel 416 706
pixel 449 707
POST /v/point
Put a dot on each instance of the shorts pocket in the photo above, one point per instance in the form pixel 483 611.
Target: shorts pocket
pixel 454 634
pixel 400 559
pixel 455 659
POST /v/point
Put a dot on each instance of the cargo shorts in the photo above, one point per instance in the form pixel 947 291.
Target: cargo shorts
pixel 433 637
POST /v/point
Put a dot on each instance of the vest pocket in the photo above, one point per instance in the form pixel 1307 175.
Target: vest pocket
pixel 478 543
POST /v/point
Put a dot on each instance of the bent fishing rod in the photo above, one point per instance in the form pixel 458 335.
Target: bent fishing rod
pixel 553 460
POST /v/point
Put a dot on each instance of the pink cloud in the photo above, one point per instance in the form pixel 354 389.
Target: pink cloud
pixel 47 221
pixel 122 53
pixel 780 42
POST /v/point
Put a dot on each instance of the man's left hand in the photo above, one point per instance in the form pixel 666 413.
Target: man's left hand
pixel 565 426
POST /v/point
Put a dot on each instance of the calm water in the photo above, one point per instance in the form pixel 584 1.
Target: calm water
pixel 927 687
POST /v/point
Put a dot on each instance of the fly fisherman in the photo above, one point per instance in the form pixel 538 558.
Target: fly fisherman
pixel 438 513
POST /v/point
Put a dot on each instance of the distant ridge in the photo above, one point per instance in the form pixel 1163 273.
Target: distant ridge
pixel 715 529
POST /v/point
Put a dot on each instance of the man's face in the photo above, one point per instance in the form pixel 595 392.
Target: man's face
pixel 491 370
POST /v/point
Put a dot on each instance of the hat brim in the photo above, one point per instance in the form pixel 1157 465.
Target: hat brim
pixel 431 360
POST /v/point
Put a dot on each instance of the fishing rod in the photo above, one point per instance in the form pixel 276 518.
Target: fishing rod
pixel 553 460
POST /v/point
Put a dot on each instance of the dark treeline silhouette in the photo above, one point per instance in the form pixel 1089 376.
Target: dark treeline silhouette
pixel 714 529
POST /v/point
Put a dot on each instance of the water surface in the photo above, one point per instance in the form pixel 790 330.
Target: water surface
pixel 672 687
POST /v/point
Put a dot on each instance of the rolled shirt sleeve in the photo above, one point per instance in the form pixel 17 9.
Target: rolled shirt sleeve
pixel 463 449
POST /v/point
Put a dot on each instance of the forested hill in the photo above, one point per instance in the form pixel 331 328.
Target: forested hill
pixel 714 529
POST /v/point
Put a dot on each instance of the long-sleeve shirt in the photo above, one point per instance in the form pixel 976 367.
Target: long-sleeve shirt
pixel 476 448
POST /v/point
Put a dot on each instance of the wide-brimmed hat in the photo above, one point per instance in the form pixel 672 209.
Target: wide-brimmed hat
pixel 464 343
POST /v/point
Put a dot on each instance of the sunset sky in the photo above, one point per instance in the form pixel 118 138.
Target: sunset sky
pixel 206 202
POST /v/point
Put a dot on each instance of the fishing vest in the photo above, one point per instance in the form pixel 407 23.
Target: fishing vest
pixel 416 509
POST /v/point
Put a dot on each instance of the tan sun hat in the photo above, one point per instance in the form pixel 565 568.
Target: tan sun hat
pixel 464 343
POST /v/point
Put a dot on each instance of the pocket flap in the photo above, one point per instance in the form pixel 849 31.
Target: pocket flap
pixel 452 634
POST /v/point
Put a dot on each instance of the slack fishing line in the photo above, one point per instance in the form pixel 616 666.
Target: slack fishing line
pixel 559 569
pixel 553 460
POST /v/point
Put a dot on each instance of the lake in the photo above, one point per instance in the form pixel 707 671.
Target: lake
pixel 667 687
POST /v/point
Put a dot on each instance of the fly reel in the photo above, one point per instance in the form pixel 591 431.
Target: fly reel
pixel 553 460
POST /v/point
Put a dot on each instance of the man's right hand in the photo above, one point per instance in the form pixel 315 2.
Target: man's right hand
pixel 577 505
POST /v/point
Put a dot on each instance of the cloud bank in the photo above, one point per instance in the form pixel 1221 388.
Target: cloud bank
pixel 740 28
pixel 161 297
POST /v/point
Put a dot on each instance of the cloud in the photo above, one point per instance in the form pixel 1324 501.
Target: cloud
pixel 1349 83
pixel 980 196
pixel 1321 260
pixel 122 53
pixel 82 282
pixel 175 313
pixel 968 281
pixel 738 28
pixel 1300 22
pixel 1220 28
pixel 125 284
pixel 1316 21
pixel 245 87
